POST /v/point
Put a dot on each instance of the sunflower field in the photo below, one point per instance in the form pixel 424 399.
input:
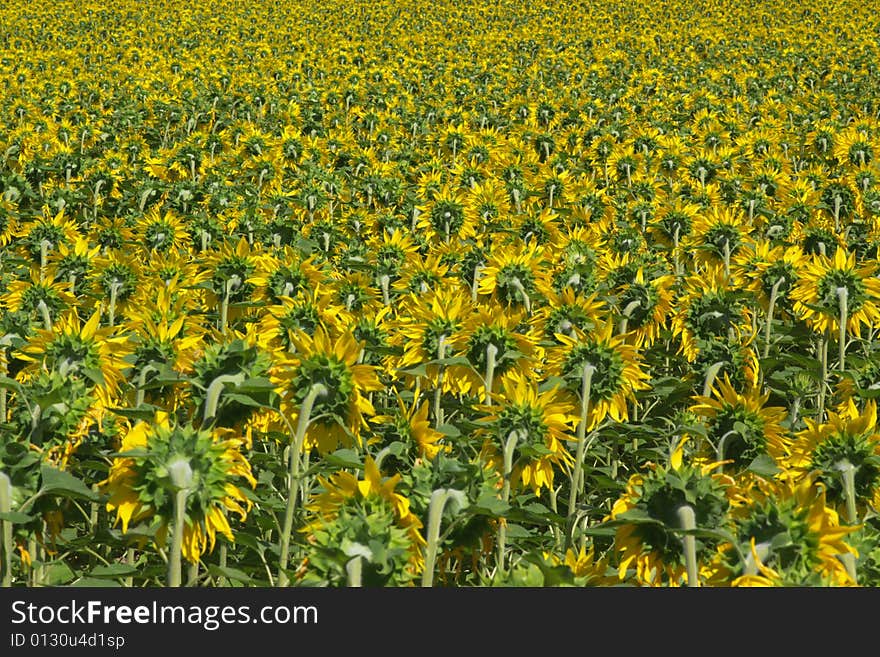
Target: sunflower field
pixel 454 294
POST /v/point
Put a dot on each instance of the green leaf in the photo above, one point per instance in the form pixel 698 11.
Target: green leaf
pixel 57 481
pixel 230 573
pixel 113 570
pixel 145 412
pixel 16 518
pixel 764 465
pixel 92 582
pixel 59 572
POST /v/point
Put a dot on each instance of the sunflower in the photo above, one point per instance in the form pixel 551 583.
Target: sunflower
pixel 74 349
pixel 160 231
pixel 645 307
pixel 854 147
pixel 718 236
pixel 495 344
pixel 422 325
pixel 827 449
pixel 313 307
pixel 515 276
pixel 75 263
pixel 234 272
pixel 616 374
pixel 139 484
pixel 740 427
pixel 647 539
pixel 444 216
pixel 337 416
pixel 786 535
pixel 539 422
pixel 40 237
pixel 423 275
pixel 351 511
pixel 709 308
pixel 568 311
pixel 117 277
pixel 410 426
pixel 767 268
pixel 832 287
pixel 42 298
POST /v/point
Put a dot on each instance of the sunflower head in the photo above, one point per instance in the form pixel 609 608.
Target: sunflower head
pixel 334 367
pixel 364 519
pixel 828 449
pixel 786 536
pixel 147 472
pixel 648 539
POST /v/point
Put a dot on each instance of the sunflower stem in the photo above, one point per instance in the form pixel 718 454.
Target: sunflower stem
pixel 688 521
pixel 6 528
pixel 142 381
pixel 435 515
pixel 477 269
pixel 509 447
pixel 129 561
pixel 711 374
pixel 44 311
pixel 212 397
pixel 174 557
pixel 384 281
pixel 317 390
pixel 627 313
pixel 517 284
pixel 848 474
pixel 44 257
pixel 727 258
pixel 354 571
pixel 774 293
pixel 491 353
pixel 114 292
pixel 823 375
pixel 842 299
pixel 578 473
pixel 438 391
pixel 675 238
pixel 224 306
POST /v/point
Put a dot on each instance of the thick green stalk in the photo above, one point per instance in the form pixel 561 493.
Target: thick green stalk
pixel 6 528
pixel 475 286
pixel 509 447
pixel 491 353
pixel 688 522
pixel 212 397
pixel 711 374
pixel 174 557
pixel 354 571
pixel 627 313
pixel 129 561
pixel 843 299
pixel 44 257
pixel 305 412
pixel 848 474
pixel 435 515
pixel 578 473
pixel 823 375
pixel 438 391
pixel 517 284
pixel 774 293
pixel 114 292
pixel 384 282
pixel 44 311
